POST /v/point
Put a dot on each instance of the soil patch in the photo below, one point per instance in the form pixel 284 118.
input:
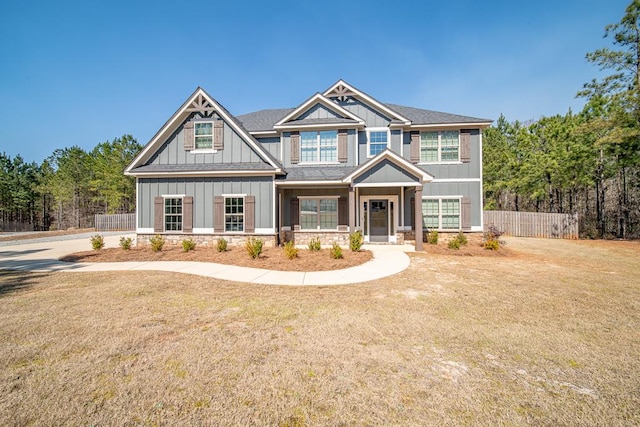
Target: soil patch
pixel 270 259
pixel 472 248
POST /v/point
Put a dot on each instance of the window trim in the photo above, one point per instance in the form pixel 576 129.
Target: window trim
pixel 318 226
pixel 224 207
pixel 377 129
pixel 165 197
pixel 440 199
pixel 318 162
pixel 439 160
pixel 213 132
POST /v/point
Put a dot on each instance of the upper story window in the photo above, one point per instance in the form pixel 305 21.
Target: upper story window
pixel 173 214
pixel 319 146
pixel 378 141
pixel 203 134
pixel 442 146
pixel 234 214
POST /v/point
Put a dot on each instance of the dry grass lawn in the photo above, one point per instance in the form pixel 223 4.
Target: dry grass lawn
pixel 549 335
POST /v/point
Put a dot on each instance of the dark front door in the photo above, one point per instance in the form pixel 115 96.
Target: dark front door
pixel 378 221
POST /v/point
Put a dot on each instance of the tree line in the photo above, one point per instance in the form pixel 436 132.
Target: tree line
pixel 68 188
pixel 586 163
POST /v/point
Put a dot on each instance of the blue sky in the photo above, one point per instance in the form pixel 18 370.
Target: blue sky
pixel 84 72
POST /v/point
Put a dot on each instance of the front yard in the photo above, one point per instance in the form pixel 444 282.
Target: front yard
pixel 548 335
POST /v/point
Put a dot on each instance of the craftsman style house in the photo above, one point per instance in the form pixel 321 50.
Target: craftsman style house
pixel 340 161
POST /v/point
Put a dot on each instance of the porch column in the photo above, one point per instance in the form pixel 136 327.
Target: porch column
pixel 352 209
pixel 418 217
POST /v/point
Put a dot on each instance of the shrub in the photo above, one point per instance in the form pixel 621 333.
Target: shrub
pixel 157 242
pixel 491 238
pixel 125 243
pixel 188 245
pixel 356 239
pixel 459 240
pixel 290 251
pixel 97 242
pixel 432 237
pixel 462 238
pixel 454 244
pixel 254 247
pixel 222 245
pixel 336 251
pixel 314 244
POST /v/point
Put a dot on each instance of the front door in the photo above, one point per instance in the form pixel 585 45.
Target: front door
pixel 378 221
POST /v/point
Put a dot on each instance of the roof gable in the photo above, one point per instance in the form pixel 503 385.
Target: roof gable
pixel 200 101
pixel 380 163
pixel 317 103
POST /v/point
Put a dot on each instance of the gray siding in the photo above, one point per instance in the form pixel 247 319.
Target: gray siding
pixel 385 172
pixel 472 190
pixel 272 145
pixel 371 117
pixel 396 141
pixel 236 150
pixel 203 191
pixel 319 111
pixel 362 147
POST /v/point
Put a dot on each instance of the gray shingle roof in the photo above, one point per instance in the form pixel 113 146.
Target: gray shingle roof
pixel 264 120
pixel 318 173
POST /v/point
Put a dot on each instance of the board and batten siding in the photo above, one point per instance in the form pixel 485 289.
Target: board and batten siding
pixel 351 142
pixel 236 150
pixel 472 169
pixel 272 145
pixel 319 111
pixel 371 117
pixel 203 191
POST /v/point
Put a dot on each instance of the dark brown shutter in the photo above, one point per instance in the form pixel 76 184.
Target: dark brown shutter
pixel 465 146
pixel 249 214
pixel 218 214
pixel 295 147
pixel 187 214
pixel 189 143
pixel 343 211
pixel 413 213
pixel 465 213
pixel 342 146
pixel 415 146
pixel 158 215
pixel 218 135
pixel 294 213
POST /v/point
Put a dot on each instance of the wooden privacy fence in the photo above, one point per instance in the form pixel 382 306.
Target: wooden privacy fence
pixel 533 224
pixel 116 222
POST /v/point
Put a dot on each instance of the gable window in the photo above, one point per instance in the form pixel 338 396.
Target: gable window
pixel 319 146
pixel 442 146
pixel 173 214
pixel 378 141
pixel 234 214
pixel 203 134
pixel 441 214
pixel 318 214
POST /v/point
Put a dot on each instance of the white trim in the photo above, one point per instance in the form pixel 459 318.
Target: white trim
pixel 203 151
pixel 392 228
pixel 452 162
pixel 319 125
pixel 263 132
pixel 264 231
pixel 476 228
pixel 173 196
pixel 138 210
pixel 377 129
pixel 200 122
pixel 439 148
pixel 202 231
pixel 399 161
pixel 286 183
pixel 233 195
pixel 317 98
pixel 141 230
pixel 317 197
pixel 200 173
pixel 481 189
pixel 368 99
pixel 437 180
pixel 439 199
pixel 388 184
pixel 447 126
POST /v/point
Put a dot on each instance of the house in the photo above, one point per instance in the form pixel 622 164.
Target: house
pixel 340 161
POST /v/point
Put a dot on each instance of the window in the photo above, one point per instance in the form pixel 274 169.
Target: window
pixel 234 214
pixel 441 214
pixel 378 141
pixel 173 214
pixel 319 146
pixel 203 132
pixel 443 146
pixel 318 214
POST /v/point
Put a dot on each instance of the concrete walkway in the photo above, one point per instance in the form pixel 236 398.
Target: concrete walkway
pixel 43 256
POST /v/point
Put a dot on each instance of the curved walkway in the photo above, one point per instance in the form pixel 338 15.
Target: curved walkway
pixel 43 256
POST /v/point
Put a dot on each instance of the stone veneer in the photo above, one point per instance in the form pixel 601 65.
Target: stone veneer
pixel 208 239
